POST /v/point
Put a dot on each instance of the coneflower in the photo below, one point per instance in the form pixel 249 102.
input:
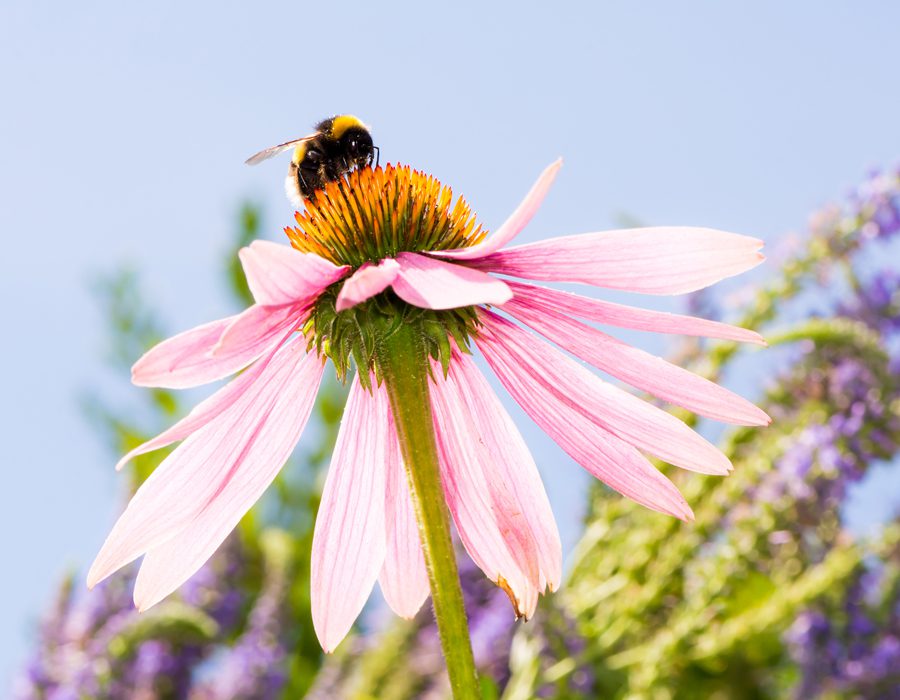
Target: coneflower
pixel 389 273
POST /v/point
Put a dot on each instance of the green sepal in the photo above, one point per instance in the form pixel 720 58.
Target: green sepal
pixel 352 336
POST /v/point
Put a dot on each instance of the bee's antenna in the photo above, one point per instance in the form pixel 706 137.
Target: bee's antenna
pixel 377 155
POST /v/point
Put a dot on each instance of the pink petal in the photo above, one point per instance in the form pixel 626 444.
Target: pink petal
pixel 169 565
pixel 638 368
pixel 658 260
pixel 514 224
pixel 255 330
pixel 632 317
pixel 199 416
pixel 513 462
pixel 615 463
pixel 435 284
pixel 204 412
pixel 626 416
pixel 195 474
pixel 490 523
pixel 278 274
pixel 366 282
pixel 183 360
pixel 216 350
pixel 348 546
pixel 403 578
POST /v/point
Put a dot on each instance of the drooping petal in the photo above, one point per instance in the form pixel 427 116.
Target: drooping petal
pixel 207 410
pixel 169 565
pixel 403 578
pixel 366 282
pixel 183 360
pixel 632 317
pixel 514 224
pixel 278 274
pixel 617 464
pixel 435 284
pixel 197 471
pixel 624 415
pixel 492 527
pixel 255 330
pixel 636 367
pixel 349 539
pixel 200 415
pixel 513 462
pixel 656 260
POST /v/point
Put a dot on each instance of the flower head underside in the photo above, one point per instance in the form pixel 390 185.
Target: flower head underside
pixel 362 220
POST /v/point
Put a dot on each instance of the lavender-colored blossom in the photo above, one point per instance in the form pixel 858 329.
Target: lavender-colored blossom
pixel 98 646
pixel 254 668
pixel 877 304
pixel 878 201
pixel 850 647
pixel 214 587
pixel 822 458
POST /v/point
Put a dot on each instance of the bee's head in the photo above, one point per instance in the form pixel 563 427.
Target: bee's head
pixel 357 145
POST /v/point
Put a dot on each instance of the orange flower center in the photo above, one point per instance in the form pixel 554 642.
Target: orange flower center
pixel 372 214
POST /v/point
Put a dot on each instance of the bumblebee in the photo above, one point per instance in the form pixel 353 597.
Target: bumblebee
pixel 338 145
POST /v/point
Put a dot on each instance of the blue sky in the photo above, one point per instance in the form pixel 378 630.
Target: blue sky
pixel 124 128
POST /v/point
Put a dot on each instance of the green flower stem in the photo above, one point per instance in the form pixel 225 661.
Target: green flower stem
pixel 403 363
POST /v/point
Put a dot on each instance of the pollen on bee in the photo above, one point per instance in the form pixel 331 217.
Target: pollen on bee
pixel 374 213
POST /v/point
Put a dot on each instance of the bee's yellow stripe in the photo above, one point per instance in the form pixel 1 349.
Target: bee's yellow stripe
pixel 344 122
pixel 299 152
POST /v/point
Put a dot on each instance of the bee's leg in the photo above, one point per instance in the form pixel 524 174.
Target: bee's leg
pixel 307 183
pixel 334 169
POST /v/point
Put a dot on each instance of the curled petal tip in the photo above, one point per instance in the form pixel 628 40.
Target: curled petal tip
pixel 511 594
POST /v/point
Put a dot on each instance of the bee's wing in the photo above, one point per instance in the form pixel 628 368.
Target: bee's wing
pixel 275 150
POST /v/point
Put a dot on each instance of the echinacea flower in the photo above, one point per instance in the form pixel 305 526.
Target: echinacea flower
pixel 390 248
